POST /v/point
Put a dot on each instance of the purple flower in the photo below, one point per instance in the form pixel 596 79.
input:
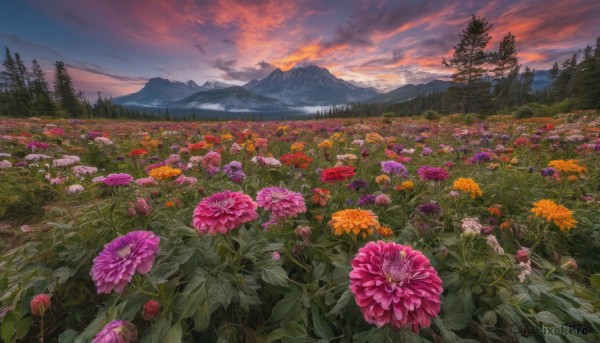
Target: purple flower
pixel 426 151
pixel 481 157
pixel 115 266
pixel 428 173
pixel 117 331
pixel 548 171
pixel 367 199
pixel 37 145
pixel 429 208
pixel 357 185
pixel 117 179
pixel 234 171
pixel 394 168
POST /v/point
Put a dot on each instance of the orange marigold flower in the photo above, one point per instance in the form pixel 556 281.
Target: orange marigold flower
pixel 495 210
pixel 385 231
pixel 296 147
pixel 374 137
pixel 326 144
pixel 552 212
pixel 567 166
pixel 468 185
pixel 407 185
pixel 382 179
pixel 164 173
pixel 354 221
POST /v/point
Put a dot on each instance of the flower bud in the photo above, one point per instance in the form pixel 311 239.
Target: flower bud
pixel 39 304
pixel 150 310
pixel 522 255
pixel 303 232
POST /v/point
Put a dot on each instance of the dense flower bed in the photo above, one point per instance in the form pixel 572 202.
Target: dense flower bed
pixel 329 231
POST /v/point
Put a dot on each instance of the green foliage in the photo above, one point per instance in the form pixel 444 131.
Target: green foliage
pixel 431 115
pixel 523 112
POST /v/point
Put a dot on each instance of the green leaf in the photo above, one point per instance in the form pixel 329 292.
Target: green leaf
pixel 275 275
pixel 193 296
pixel 522 300
pixel 22 328
pixel 174 335
pixel 63 274
pixel 67 336
pixel 322 330
pixel 7 330
pixel 548 318
pixel 489 318
pixel 276 335
pixel 595 281
pixel 342 301
pixel 288 307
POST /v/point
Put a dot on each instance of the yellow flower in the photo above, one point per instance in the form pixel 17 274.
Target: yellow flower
pixel 493 166
pixel 382 179
pixel 296 147
pixel 407 185
pixel 337 136
pixel 354 221
pixel 326 144
pixel 572 178
pixel 568 166
pixel 374 137
pixel 226 137
pixel 560 215
pixel 385 231
pixel 164 173
pixel 467 185
pixel 249 147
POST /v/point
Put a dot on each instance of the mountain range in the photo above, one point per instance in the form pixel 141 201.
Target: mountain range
pixel 299 87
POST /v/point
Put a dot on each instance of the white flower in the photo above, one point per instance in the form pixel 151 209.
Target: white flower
pixel 36 157
pixel 103 141
pixel 5 164
pixel 75 189
pixel 492 241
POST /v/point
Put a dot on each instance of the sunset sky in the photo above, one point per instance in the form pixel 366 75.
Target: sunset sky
pixel 115 46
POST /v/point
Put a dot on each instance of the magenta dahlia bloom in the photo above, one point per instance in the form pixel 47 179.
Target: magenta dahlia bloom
pixel 223 212
pixel 117 331
pixel 282 202
pixel 394 284
pixel 117 179
pixel 428 173
pixel 115 266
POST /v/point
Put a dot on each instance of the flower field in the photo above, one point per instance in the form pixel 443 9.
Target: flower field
pixel 337 230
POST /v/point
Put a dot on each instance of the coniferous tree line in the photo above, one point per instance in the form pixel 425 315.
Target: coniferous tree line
pixel 487 82
pixel 25 93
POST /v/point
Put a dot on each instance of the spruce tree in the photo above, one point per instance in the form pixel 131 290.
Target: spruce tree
pixel 470 92
pixel 9 74
pixel 64 91
pixel 40 92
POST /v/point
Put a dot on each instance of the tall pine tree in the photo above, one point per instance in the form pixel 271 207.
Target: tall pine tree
pixel 470 92
pixel 64 90
pixel 40 92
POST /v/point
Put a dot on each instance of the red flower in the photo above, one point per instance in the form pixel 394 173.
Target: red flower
pixel 297 160
pixel 150 309
pixel 39 304
pixel 331 175
pixel 138 152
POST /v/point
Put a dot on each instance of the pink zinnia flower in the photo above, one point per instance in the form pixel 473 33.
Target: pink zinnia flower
pixel 223 212
pixel 428 173
pixel 117 331
pixel 145 181
pixel 117 179
pixel 394 284
pixel 122 258
pixel 282 202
